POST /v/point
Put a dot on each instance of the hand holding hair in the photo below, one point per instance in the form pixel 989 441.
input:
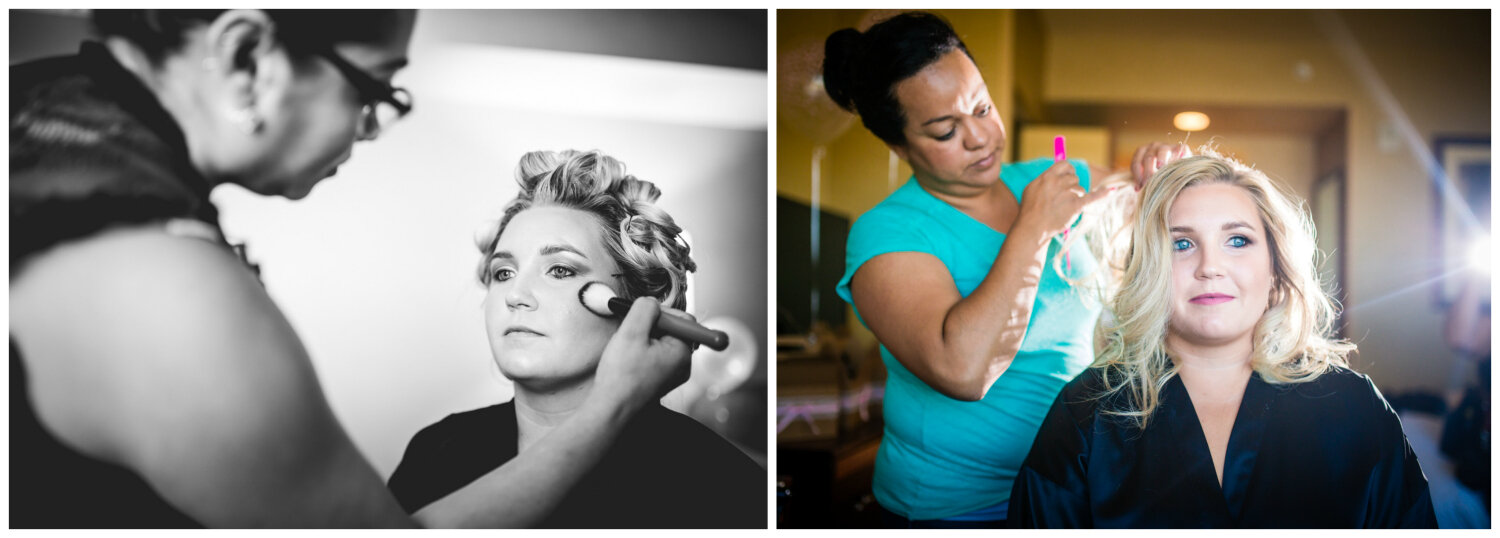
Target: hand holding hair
pixel 1150 158
pixel 1052 202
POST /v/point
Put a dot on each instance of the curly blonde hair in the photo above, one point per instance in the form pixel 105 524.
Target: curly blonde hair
pixel 1292 342
pixel 642 238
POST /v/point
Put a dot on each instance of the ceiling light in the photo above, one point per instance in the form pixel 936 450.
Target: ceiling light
pixel 1191 121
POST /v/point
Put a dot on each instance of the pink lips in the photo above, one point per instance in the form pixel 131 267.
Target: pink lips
pixel 985 162
pixel 1211 299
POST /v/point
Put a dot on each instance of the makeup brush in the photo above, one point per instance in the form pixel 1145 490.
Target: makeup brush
pixel 599 299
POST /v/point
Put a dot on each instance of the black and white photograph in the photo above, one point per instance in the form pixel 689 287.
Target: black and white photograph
pixel 388 268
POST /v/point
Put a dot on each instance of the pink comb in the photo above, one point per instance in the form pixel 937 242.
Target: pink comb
pixel 1060 154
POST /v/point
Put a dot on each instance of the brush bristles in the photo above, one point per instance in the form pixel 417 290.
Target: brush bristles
pixel 595 296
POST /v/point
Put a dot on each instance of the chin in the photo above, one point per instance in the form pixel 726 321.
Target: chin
pixel 542 373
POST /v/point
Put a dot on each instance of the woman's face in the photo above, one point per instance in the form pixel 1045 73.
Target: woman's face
pixel 541 335
pixel 321 115
pixel 1221 266
pixel 953 133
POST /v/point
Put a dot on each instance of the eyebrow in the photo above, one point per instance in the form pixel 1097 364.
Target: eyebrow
pixel 1227 226
pixel 546 251
pixel 982 88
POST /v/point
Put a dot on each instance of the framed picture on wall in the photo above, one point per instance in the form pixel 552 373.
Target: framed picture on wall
pixel 1462 195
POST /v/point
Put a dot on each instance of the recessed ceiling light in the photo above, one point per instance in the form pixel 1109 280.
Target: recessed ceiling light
pixel 1191 121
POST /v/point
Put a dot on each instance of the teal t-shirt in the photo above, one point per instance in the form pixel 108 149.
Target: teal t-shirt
pixel 942 457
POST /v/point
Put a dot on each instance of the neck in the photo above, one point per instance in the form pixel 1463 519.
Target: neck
pixel 539 410
pixel 1212 366
pixel 976 201
pixel 173 94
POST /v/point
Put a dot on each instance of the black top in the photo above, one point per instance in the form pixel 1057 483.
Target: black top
pixel 664 471
pixel 1328 453
pixel 90 147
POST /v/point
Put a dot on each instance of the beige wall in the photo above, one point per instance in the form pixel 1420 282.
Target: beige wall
pixel 1435 68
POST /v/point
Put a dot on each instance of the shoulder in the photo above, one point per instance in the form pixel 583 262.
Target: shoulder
pixel 40 72
pixel 1345 397
pixel 712 482
pixel 1343 385
pixel 691 445
pixel 171 321
pixel 1083 397
pixel 895 213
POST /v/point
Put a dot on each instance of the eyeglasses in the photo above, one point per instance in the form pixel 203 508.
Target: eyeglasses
pixel 384 103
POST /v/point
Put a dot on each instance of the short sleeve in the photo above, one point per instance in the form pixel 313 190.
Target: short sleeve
pixel 1396 495
pixel 882 230
pixel 1051 488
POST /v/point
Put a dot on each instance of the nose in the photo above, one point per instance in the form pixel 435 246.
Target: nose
pixel 979 135
pixel 519 296
pixel 1210 263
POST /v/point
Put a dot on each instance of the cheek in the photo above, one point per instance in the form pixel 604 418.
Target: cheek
pixel 494 311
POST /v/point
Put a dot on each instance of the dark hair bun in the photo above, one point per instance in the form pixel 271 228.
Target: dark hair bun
pixel 842 54
pixel 861 69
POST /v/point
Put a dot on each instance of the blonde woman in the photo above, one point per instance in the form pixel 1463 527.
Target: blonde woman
pixel 1219 400
pixel 580 218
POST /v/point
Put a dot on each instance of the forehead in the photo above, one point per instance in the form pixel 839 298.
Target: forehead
pixel 1207 206
pixel 939 89
pixel 533 229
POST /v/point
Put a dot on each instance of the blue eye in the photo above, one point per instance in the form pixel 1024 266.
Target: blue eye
pixel 503 274
pixel 1239 241
pixel 561 271
pixel 1182 244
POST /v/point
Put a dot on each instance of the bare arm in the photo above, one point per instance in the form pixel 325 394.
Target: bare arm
pixel 961 345
pixel 164 355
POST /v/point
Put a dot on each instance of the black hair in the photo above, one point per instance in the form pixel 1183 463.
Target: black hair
pixel 861 70
pixel 160 31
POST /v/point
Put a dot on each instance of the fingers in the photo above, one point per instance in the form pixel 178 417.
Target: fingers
pixel 1151 158
pixel 678 313
pixel 639 320
pixel 1138 166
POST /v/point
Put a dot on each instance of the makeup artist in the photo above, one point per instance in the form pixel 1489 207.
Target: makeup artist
pixel 978 332
pixel 580 218
pixel 153 382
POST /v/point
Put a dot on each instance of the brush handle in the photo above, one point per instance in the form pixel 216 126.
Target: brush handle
pixel 683 328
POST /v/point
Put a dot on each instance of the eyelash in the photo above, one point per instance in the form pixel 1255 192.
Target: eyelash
pixel 1232 238
pixel 559 272
pixel 982 112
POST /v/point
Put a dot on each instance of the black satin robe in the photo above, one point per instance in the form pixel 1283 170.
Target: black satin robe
pixel 1329 453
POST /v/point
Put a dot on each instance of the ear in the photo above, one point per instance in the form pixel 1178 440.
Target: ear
pixel 241 47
